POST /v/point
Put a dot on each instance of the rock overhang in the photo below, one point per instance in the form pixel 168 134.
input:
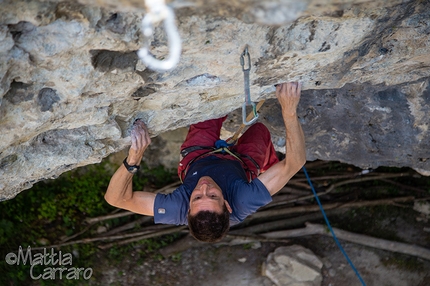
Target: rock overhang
pixel 71 82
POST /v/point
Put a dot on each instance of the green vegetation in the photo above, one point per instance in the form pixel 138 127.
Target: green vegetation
pixel 55 209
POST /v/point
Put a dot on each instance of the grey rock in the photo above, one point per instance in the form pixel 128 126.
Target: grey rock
pixel 71 84
pixel 422 207
pixel 293 265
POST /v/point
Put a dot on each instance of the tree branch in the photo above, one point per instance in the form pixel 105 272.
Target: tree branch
pixel 357 180
pixel 362 239
pixel 145 236
pixel 314 208
pixel 107 217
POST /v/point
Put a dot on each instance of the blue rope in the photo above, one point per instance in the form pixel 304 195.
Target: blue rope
pixel 331 230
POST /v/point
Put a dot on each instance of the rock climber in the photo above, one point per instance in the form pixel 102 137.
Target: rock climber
pixel 219 189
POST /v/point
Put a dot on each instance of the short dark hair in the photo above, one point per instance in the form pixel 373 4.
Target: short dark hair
pixel 209 226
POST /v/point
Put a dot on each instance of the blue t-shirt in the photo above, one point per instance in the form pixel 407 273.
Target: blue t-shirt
pixel 244 197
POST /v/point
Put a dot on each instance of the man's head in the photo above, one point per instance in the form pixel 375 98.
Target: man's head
pixel 209 213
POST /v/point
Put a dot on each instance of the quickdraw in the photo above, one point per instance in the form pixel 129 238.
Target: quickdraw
pixel 248 101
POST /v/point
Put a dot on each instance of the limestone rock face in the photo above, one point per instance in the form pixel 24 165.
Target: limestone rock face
pixel 71 82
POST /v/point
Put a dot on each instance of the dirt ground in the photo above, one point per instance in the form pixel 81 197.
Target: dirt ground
pixel 241 265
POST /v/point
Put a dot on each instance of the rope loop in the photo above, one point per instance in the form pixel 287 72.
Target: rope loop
pixel 159 12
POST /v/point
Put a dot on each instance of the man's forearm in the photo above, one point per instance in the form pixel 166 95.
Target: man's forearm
pixel 278 175
pixel 120 187
pixel 120 190
pixel 295 157
pixel 295 152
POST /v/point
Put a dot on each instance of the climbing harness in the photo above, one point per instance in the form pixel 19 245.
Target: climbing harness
pixel 248 101
pixel 331 229
pixel 158 11
pixel 221 147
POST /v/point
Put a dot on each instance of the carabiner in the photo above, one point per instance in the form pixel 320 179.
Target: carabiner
pixel 242 59
pixel 158 13
pixel 254 111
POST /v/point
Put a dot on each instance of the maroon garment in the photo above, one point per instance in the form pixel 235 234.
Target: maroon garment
pixel 255 142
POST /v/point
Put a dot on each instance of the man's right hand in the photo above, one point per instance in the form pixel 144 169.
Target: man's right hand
pixel 140 140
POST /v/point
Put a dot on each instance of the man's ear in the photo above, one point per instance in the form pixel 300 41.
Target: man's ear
pixel 228 207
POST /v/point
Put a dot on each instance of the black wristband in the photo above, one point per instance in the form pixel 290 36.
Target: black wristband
pixel 132 169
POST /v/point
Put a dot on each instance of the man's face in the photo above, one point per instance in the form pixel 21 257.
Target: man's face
pixel 207 196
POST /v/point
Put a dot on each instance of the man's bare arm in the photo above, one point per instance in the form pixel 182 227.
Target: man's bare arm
pixel 278 175
pixel 120 190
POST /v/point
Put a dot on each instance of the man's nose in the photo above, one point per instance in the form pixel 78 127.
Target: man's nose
pixel 204 188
